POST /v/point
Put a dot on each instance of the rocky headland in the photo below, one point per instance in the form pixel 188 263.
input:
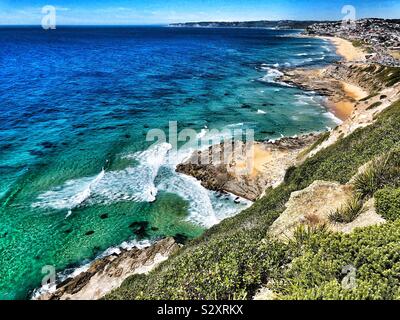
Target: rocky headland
pixel 263 166
pixel 356 92
pixel 320 212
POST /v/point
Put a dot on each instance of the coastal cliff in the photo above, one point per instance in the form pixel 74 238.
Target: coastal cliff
pixel 323 202
pixel 350 89
pixel 334 209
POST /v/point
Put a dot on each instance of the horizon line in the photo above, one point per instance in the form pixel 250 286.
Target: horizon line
pixel 171 23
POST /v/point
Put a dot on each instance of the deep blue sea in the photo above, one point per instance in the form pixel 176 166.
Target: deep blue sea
pixel 77 175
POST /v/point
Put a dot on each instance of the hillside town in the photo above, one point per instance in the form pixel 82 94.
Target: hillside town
pixel 379 37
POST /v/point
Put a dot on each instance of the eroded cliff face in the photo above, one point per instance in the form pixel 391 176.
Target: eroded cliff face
pixel 371 77
pixel 108 273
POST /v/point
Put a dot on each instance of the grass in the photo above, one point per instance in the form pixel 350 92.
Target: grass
pixel 233 259
pixel 358 43
pixel 323 137
pixel 348 212
pixel 381 172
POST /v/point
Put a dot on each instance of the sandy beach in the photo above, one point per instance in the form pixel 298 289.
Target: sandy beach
pixel 346 49
pixel 344 108
pixel 343 95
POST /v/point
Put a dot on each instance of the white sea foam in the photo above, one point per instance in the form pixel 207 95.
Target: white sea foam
pixel 137 184
pixel 272 72
pixel 205 207
pixel 188 188
pixel 330 115
pixel 133 183
pixel 306 99
pixel 272 76
pixel 261 111
pixel 327 48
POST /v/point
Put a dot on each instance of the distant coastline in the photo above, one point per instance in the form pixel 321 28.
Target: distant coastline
pixel 278 24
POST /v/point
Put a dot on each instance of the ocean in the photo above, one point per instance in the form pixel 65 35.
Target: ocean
pixel 77 174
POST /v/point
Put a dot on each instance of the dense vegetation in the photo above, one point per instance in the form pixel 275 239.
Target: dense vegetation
pixel 320 269
pixel 388 203
pixel 233 259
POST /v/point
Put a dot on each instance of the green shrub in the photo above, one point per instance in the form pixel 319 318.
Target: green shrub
pixel 317 269
pixel 387 202
pixel 323 137
pixel 368 97
pixel 227 268
pixel 383 171
pixel 358 43
pixel 389 75
pixel 374 105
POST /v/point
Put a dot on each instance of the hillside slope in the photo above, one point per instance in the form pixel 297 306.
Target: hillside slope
pixel 237 257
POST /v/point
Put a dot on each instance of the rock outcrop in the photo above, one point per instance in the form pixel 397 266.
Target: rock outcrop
pixel 108 273
pixel 246 175
pixel 312 207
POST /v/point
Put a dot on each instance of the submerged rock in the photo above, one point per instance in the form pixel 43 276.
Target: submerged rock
pixel 180 238
pixel 139 228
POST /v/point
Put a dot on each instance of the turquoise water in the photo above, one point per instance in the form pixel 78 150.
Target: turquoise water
pixel 77 175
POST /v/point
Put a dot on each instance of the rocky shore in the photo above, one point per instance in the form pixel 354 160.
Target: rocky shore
pixel 333 82
pixel 107 273
pixel 268 161
pixel 355 90
pixel 356 93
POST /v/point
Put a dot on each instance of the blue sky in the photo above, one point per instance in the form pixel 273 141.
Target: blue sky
pixel 84 12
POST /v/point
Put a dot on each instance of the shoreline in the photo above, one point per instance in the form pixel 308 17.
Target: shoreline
pixel 349 53
pixel 344 109
pixel 107 272
pixel 278 155
pixel 272 159
pixel 345 49
pixel 248 175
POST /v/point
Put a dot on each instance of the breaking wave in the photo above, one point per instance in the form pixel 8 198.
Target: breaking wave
pixel 131 184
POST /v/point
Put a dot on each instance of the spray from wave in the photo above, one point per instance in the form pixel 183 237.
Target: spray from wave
pixel 131 184
pixel 138 184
